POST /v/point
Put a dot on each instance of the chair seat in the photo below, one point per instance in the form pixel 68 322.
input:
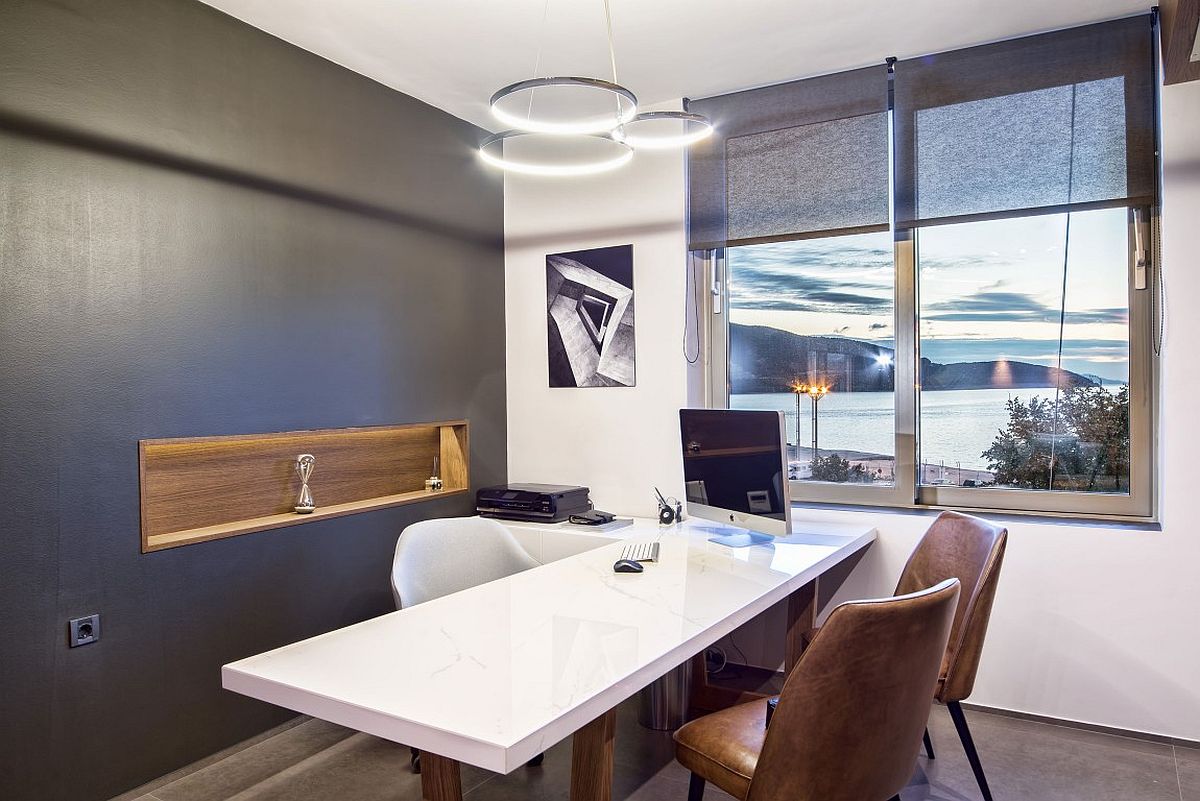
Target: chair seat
pixel 723 747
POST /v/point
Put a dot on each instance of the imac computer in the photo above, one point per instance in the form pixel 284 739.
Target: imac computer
pixel 735 472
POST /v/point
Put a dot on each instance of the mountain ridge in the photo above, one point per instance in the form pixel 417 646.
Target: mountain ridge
pixel 765 359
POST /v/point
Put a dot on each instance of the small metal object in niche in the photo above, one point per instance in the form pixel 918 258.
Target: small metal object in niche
pixel 305 463
pixel 434 482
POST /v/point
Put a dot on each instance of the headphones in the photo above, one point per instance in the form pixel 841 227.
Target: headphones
pixel 670 510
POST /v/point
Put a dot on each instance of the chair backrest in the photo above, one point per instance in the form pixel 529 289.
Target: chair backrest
pixel 849 722
pixel 970 550
pixel 438 557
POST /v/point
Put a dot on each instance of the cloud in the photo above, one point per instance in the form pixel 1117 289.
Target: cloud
pixel 855 275
pixel 812 276
pixel 993 301
pixel 848 253
pixel 809 293
pixel 1107 357
pixel 1003 307
pixel 1119 316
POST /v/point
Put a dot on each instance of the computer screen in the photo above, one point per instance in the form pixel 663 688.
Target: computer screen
pixel 735 468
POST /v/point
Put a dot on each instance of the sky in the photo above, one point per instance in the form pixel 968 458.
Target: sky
pixel 988 291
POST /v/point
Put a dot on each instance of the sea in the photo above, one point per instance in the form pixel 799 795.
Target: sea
pixel 957 426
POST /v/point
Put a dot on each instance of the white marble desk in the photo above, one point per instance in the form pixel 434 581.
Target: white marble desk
pixel 496 674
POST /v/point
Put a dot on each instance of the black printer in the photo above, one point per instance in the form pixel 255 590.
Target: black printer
pixel 535 503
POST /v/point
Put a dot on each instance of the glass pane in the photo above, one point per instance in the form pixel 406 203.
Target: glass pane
pixel 810 334
pixel 1020 389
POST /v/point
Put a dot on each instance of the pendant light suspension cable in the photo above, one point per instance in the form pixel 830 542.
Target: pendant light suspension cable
pixel 585 144
pixel 695 126
pixel 537 60
pixel 625 102
pixel 612 52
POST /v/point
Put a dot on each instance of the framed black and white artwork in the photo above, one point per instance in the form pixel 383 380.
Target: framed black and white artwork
pixel 589 317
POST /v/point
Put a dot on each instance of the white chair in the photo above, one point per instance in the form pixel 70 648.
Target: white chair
pixel 439 557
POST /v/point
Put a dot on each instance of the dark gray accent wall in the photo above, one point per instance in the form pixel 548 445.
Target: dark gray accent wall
pixel 205 230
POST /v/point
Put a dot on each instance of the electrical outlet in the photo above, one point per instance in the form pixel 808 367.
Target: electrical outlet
pixel 84 630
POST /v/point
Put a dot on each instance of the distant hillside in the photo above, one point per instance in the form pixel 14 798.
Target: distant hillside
pixel 768 360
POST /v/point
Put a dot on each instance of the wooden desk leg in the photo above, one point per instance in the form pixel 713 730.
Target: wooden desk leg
pixel 592 759
pixel 711 697
pixel 802 618
pixel 440 778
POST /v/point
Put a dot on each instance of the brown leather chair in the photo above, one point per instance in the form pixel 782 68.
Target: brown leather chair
pixel 970 550
pixel 849 720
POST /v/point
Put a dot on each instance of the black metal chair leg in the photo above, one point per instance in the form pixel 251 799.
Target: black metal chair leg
pixel 696 788
pixel 415 760
pixel 928 745
pixel 964 734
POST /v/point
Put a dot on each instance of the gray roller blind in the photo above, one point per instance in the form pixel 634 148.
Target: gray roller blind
pixel 1043 123
pixel 795 160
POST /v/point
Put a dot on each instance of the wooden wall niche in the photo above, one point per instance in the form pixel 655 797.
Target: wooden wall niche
pixel 206 488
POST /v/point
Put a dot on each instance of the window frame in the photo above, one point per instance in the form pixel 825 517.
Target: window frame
pixel 1139 505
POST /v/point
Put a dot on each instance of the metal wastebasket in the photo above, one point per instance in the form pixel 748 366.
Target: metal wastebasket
pixel 663 704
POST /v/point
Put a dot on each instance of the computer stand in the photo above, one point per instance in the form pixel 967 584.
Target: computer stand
pixel 736 537
pixel 742 538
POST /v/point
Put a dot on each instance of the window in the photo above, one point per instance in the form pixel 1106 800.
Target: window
pixel 1024 385
pixel 810 335
pixel 951 300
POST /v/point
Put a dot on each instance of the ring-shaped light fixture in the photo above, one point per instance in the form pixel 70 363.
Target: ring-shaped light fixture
pixel 700 128
pixel 624 106
pixel 491 151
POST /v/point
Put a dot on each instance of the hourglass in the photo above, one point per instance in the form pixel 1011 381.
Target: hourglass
pixel 304 467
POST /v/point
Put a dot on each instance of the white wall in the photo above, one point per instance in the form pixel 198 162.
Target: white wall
pixel 1092 623
pixel 621 441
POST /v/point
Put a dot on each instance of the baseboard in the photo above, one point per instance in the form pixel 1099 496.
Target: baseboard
pixel 175 775
pixel 759 675
pixel 1076 724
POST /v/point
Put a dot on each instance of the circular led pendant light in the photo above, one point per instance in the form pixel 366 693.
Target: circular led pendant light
pixel 582 126
pixel 554 155
pixel 594 105
pixel 660 130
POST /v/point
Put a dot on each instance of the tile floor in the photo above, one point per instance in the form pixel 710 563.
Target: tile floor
pixel 1026 761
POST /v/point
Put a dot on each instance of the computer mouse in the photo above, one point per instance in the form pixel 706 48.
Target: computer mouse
pixel 627 566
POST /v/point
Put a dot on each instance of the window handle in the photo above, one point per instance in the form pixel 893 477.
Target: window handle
pixel 1140 258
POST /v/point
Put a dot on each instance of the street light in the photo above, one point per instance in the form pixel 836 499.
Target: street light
pixel 796 387
pixel 815 392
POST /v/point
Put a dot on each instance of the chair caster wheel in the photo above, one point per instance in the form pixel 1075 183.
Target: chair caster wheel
pixel 536 761
pixel 416 761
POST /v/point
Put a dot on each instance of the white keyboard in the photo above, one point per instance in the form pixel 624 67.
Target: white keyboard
pixel 641 551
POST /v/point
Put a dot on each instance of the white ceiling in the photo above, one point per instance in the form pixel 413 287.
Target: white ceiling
pixel 454 53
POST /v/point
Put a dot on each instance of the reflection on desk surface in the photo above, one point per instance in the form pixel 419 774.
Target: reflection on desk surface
pixel 812 538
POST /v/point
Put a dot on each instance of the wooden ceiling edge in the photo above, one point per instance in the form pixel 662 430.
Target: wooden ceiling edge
pixel 1180 19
